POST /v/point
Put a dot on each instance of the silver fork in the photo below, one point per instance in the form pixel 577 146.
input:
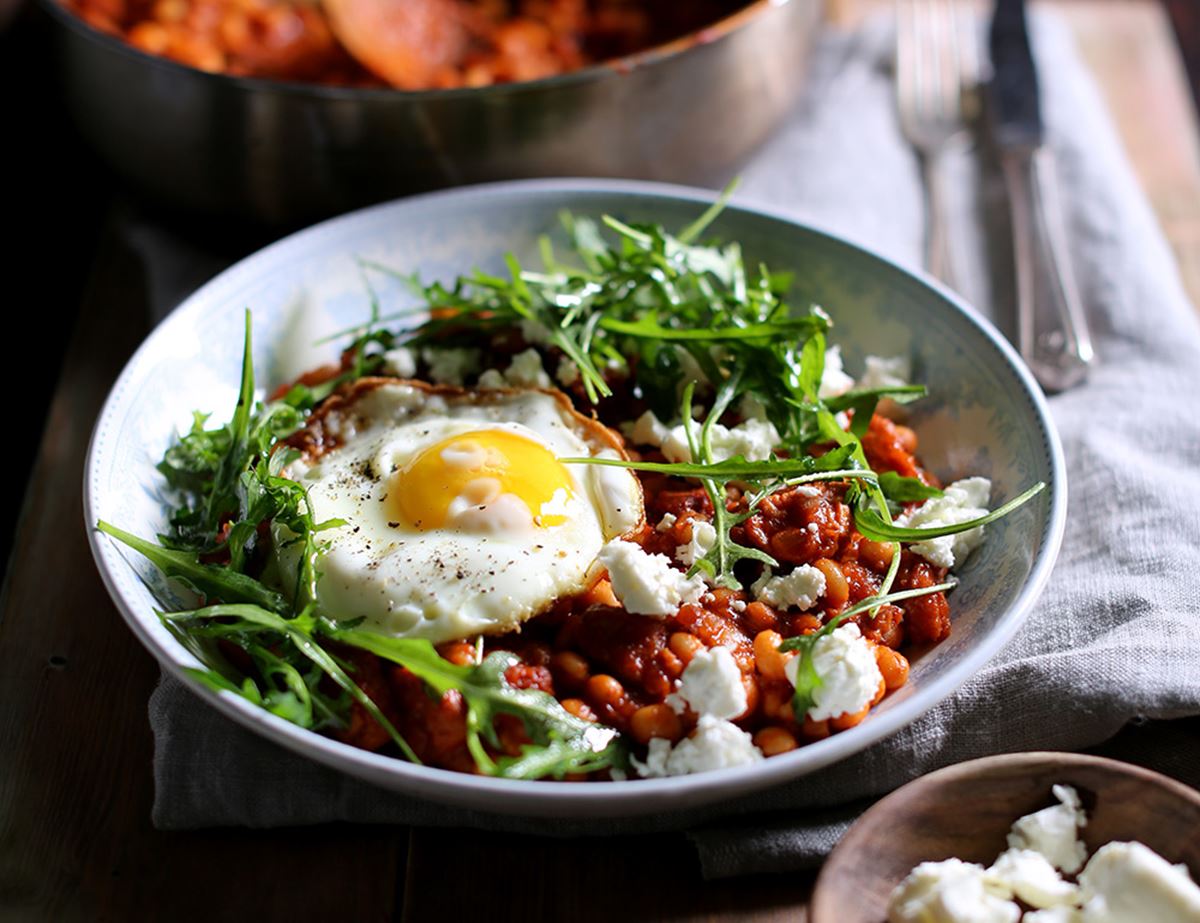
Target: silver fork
pixel 934 106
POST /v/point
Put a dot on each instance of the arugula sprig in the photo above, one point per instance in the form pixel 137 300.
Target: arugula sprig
pixel 561 742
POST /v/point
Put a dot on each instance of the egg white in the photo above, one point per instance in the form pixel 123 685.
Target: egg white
pixel 487 568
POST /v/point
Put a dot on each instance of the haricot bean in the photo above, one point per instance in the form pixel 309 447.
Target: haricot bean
pixel 658 720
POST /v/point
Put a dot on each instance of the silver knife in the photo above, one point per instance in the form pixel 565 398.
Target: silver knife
pixel 1052 332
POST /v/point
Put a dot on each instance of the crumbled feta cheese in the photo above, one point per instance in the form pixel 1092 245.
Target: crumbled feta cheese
pixel 401 362
pixel 647 584
pixel 647 430
pixel 961 501
pixel 1030 876
pixel 834 380
pixel 798 590
pixel 886 373
pixel 849 675
pixel 491 378
pixel 951 891
pixel 704 536
pixel 1053 831
pixel 450 366
pixel 525 370
pixel 667 522
pixel 715 744
pixel 567 371
pixel 754 440
pixel 535 333
pixel 711 685
pixel 1131 883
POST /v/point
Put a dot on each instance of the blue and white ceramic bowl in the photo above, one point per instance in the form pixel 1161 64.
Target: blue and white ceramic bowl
pixel 985 416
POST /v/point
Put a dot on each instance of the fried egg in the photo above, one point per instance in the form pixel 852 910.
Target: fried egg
pixel 457 516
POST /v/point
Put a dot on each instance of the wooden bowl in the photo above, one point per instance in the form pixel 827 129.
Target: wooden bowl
pixel 966 810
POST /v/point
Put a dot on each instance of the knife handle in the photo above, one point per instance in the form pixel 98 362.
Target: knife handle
pixel 1052 331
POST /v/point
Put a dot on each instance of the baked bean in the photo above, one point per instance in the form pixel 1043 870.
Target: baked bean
pixel 684 646
pixel 806 624
pixel 876 555
pixel 837 590
pixel 815 730
pixel 671 664
pixel 775 740
pixel 460 653
pixel 579 709
pixel 760 617
pixel 569 669
pixel 848 720
pixel 601 594
pixel 750 684
pixel 170 10
pixel 767 656
pixel 893 665
pixel 774 697
pixel 150 37
pixel 605 690
pixel 658 720
pixel 906 438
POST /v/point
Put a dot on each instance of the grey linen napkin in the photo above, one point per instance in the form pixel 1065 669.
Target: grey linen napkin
pixel 1112 640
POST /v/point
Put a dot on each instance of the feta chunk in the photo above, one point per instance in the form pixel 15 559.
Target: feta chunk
pixel 401 362
pixel 798 590
pixel 961 501
pixel 1053 831
pixel 525 370
pixel 1030 876
pixel 886 373
pixel 704 536
pixel 849 675
pixel 647 584
pixel 715 744
pixel 754 440
pixel 834 380
pixel 1131 883
pixel 647 430
pixel 535 332
pixel 711 685
pixel 567 372
pixel 951 891
pixel 666 523
pixel 450 366
pixel 491 378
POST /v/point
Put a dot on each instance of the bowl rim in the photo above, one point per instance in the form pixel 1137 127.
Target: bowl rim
pixel 638 60
pixel 1023 760
pixel 617 798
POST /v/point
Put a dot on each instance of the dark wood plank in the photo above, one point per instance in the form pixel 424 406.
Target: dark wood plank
pixel 75 747
pixel 463 874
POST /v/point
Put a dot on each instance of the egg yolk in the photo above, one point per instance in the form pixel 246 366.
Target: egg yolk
pixel 474 470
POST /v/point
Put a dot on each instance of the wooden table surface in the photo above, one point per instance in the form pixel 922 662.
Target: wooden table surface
pixel 75 748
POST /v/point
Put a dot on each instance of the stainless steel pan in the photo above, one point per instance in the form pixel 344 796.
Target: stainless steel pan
pixel 289 153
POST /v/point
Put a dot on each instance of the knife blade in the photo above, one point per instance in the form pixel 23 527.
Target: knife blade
pixel 1016 98
pixel 1052 331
